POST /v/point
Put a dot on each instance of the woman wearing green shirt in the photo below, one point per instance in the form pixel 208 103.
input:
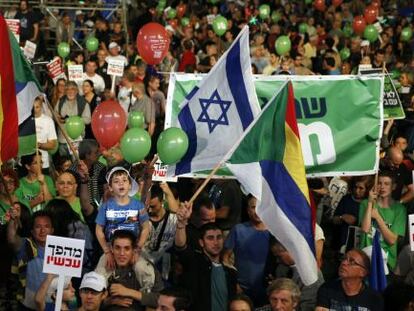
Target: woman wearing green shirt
pixel 381 212
pixel 35 187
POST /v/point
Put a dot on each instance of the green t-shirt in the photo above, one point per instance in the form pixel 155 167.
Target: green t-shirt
pixel 395 218
pixel 27 191
pixel 219 294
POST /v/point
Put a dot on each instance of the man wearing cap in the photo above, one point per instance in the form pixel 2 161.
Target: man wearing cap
pixel 92 291
pixel 114 50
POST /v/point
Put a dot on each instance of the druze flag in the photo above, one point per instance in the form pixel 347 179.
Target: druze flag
pixel 268 163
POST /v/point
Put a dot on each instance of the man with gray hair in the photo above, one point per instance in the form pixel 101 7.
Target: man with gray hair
pixel 284 295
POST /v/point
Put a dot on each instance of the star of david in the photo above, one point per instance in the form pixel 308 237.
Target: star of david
pixel 205 105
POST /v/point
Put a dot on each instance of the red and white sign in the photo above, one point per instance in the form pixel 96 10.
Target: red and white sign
pixel 14 26
pixel 75 72
pixel 63 256
pixel 160 173
pixel 115 67
pixel 55 69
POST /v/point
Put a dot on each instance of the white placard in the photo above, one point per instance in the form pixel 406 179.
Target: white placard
pixel 411 227
pixel 63 256
pixel 14 26
pixel 160 173
pixel 75 72
pixel 115 67
pixel 29 49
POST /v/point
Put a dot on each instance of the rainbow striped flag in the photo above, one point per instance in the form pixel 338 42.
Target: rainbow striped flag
pixel 268 163
pixel 18 89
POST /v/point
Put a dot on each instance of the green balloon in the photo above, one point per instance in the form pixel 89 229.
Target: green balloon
pixel 162 3
pixel 308 1
pixel 172 145
pixel 282 45
pixel 345 53
pixel 63 49
pixel 185 21
pixel 75 126
pixel 406 34
pixel 220 25
pixel 92 44
pixel 214 1
pixel 371 33
pixel 136 119
pixel 160 10
pixel 264 11
pixel 135 145
pixel 276 16
pixel 303 28
pixel 171 13
pixel 347 31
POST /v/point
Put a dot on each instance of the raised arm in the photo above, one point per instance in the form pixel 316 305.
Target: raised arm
pixel 183 214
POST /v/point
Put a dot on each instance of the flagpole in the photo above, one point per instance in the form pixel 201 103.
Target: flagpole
pixel 65 135
pixel 236 144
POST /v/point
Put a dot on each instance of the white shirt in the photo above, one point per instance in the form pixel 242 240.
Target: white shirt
pixel 45 131
pixel 98 83
pixel 118 57
pixel 125 98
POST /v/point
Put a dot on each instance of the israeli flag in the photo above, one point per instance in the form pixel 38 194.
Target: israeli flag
pixel 217 111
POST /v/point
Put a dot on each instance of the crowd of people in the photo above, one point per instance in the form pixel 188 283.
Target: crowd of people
pixel 146 247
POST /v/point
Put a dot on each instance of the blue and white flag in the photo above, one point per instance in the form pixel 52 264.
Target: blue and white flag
pixel 217 111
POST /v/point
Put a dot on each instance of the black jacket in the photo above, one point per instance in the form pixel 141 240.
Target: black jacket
pixel 196 278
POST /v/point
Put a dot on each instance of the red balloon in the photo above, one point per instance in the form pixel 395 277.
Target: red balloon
pixel 359 24
pixel 336 2
pixel 108 123
pixel 319 5
pixel 153 43
pixel 370 14
pixel 181 10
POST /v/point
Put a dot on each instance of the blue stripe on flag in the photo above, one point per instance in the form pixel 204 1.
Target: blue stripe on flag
pixel 289 198
pixel 187 124
pixel 237 86
pixel 191 94
pixel 20 86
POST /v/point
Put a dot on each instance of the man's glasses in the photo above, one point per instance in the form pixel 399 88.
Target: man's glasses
pixel 352 262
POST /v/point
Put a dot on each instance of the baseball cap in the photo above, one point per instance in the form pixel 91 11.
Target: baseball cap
pixel 113 45
pixel 94 281
pixel 134 184
pixel 78 12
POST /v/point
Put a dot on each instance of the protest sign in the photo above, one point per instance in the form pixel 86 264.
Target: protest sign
pixel 339 118
pixel 14 26
pixel 160 173
pixel 75 72
pixel 64 257
pixel 391 101
pixel 29 49
pixel 115 67
pixel 55 69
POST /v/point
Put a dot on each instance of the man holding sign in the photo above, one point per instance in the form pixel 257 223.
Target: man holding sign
pixel 29 254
